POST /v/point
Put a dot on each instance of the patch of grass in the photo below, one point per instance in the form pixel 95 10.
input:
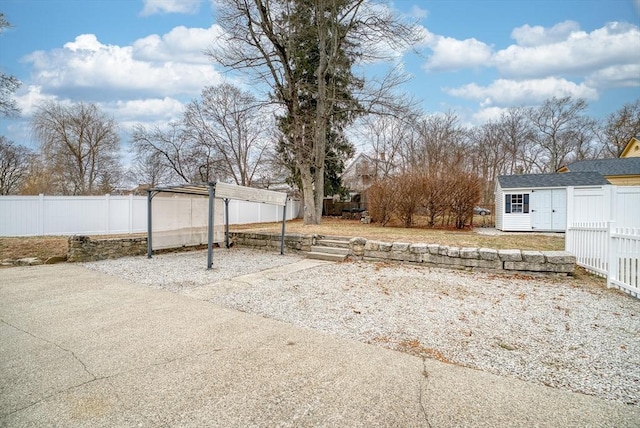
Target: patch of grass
pixel 419 234
pixel 41 247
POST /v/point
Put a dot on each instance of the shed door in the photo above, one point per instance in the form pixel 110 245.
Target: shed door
pixel 559 209
pixel 541 210
pixel 549 210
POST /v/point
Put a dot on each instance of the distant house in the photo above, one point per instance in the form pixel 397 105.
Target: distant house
pixel 538 202
pixel 632 149
pixel 359 174
pixel 618 171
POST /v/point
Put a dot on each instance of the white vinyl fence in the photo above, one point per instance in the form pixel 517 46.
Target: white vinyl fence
pixel 604 234
pixel 108 215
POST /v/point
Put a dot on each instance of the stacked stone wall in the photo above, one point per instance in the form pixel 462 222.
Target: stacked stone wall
pixel 295 242
pixel 85 249
pixel 450 256
pixel 432 254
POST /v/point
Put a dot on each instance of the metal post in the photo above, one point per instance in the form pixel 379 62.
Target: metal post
pixel 226 224
pixel 149 247
pixel 284 219
pixel 212 194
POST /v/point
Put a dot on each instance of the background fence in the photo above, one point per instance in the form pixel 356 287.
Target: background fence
pixel 106 215
pixel 604 234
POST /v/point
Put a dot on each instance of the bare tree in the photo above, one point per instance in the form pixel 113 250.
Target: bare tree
pixel 8 84
pixel 556 123
pixel 619 128
pixel 37 180
pixel 80 148
pixel 304 50
pixel 387 136
pixel 14 166
pixel 439 143
pixel 150 169
pixel 517 135
pixel 490 155
pixel 171 152
pixel 232 123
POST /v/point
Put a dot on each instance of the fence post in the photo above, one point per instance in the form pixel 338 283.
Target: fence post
pixel 41 214
pixel 612 268
pixel 107 202
pixel 130 212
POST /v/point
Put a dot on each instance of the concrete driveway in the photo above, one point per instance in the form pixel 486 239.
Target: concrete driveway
pixel 78 348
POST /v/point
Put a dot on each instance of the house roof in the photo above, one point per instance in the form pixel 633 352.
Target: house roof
pixel 632 146
pixel 615 166
pixel 552 180
pixel 354 162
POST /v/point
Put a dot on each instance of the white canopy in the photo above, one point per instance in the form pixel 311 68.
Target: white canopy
pixel 221 191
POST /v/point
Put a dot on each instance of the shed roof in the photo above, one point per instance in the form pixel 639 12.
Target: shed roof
pixel 552 180
pixel 614 166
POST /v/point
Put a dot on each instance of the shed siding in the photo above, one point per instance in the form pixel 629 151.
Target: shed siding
pixel 499 208
pixel 508 222
pixel 517 222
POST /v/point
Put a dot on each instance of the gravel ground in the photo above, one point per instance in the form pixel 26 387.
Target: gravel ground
pixel 569 333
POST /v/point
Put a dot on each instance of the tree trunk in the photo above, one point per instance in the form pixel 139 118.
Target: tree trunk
pixel 310 212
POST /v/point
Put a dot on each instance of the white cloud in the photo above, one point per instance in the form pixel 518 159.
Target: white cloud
pixel 578 53
pixel 536 36
pixel 87 69
pixel 505 93
pixel 180 44
pixel 545 62
pixel 485 115
pixel 615 76
pixel 450 54
pixel 148 112
pixel 164 109
pixel 30 97
pixel 419 13
pixel 170 6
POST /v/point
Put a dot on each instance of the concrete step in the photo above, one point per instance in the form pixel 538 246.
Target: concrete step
pixel 329 242
pixel 330 250
pixel 326 256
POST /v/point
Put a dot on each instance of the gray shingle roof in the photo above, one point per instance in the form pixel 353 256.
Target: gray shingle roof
pixel 552 180
pixel 617 166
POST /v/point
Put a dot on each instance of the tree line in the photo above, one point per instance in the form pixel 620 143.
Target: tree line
pixel 229 135
pixel 521 141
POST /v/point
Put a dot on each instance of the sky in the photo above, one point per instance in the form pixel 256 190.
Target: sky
pixel 141 61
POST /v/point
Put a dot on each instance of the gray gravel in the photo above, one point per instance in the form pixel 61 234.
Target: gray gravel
pixel 562 332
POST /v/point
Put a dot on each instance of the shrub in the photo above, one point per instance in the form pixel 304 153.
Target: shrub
pixel 382 200
pixel 464 194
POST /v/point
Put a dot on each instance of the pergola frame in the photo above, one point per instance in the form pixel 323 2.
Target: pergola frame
pixel 222 191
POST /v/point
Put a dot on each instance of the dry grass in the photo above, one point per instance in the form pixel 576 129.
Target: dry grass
pixel 41 247
pixel 460 238
pixel 44 247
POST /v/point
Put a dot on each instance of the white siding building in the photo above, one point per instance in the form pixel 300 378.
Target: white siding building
pixel 538 202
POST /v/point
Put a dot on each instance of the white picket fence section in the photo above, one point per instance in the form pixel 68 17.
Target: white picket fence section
pixel 604 234
pixel 609 251
pixel 108 215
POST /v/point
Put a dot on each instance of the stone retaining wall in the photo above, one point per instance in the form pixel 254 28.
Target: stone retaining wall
pixel 295 242
pixel 85 249
pixel 485 258
pixel 433 254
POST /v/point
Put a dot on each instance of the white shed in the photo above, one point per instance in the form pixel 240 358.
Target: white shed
pixel 538 202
